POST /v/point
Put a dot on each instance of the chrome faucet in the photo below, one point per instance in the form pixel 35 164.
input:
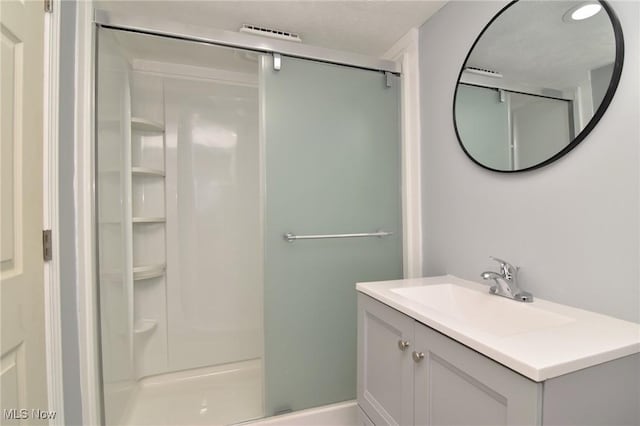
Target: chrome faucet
pixel 506 282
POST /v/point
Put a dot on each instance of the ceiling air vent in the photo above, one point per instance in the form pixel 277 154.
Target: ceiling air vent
pixel 483 71
pixel 270 32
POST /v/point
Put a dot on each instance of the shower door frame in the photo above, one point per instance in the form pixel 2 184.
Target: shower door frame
pixel 403 60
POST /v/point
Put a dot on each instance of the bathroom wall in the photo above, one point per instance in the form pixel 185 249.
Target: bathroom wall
pixel 540 126
pixel 600 78
pixel 573 226
pixel 67 218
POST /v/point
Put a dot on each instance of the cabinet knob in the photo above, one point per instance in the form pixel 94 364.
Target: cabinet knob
pixel 403 344
pixel 417 356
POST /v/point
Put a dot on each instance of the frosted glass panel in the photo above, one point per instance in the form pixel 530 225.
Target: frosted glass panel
pixel 483 124
pixel 332 158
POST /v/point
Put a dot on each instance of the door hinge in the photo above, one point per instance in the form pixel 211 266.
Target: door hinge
pixel 47 247
pixel 48 6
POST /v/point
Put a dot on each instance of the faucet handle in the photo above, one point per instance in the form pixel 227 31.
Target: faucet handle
pixel 506 268
pixel 502 263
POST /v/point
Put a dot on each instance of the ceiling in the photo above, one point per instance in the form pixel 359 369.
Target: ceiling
pixel 530 42
pixel 368 27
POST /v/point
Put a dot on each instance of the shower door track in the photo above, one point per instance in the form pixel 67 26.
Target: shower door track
pixel 199 34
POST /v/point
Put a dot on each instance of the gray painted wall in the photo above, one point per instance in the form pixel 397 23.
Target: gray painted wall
pixel 573 226
pixel 600 78
pixel 66 226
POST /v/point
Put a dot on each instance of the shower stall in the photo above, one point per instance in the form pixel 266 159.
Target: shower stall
pixel 240 195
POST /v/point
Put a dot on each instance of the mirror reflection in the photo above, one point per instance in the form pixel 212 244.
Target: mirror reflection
pixel 536 81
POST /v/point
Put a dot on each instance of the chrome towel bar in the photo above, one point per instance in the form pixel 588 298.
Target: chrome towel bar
pixel 290 237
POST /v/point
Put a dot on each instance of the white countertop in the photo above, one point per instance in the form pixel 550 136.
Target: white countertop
pixel 585 340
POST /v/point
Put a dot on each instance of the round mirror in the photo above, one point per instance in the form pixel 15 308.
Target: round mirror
pixel 536 81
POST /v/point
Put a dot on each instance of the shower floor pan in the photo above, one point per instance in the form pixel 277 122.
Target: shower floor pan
pixel 205 396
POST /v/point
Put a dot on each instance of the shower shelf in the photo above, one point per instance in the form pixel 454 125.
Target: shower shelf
pixel 142 124
pixel 146 171
pixel 145 219
pixel 148 271
pixel 144 326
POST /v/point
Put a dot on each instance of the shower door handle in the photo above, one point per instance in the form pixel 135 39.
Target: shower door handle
pixel 291 237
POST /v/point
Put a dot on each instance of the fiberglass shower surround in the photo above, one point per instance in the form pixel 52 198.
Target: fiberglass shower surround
pixel 206 157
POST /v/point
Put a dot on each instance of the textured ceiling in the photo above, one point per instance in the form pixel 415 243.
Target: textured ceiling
pixel 366 27
pixel 531 42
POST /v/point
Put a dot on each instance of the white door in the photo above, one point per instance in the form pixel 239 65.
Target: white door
pixel 22 344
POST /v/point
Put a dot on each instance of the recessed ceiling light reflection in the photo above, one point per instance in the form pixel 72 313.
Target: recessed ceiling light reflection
pixel 582 12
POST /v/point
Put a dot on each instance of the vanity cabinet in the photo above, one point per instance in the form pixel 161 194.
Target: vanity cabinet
pixel 454 385
pixel 410 374
pixel 385 368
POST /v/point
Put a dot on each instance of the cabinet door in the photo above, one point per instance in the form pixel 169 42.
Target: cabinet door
pixel 385 370
pixel 455 385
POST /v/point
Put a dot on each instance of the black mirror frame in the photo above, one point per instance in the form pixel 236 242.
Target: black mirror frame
pixel 613 85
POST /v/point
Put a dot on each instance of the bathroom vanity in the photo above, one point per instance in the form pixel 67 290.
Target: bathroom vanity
pixel 441 350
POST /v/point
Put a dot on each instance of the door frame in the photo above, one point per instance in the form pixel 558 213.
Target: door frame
pixel 50 185
pixel 405 53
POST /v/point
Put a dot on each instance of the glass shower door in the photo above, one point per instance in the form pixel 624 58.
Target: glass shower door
pixel 332 166
pixel 114 228
pixel 483 120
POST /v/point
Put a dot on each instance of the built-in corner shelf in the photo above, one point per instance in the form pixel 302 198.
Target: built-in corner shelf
pixel 144 219
pixel 148 271
pixel 144 125
pixel 146 171
pixel 144 326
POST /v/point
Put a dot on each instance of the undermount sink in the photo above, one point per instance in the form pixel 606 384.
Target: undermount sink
pixel 489 313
